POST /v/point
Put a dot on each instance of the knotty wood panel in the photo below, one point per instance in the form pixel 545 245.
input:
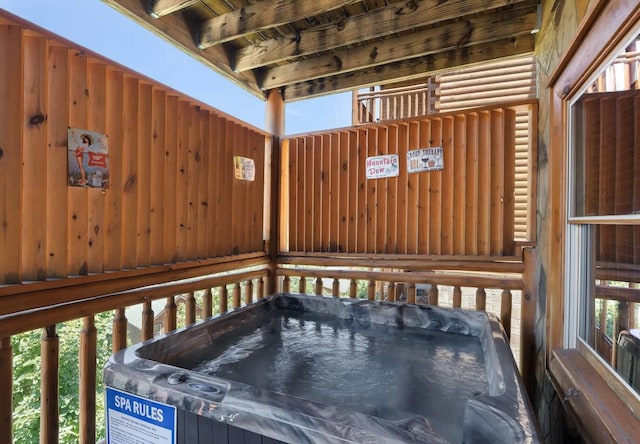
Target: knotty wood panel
pixel 172 194
pixel 467 208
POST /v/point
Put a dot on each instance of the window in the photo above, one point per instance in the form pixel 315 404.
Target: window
pixel 603 230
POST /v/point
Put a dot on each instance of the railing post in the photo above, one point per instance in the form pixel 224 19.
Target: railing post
pixel 170 314
pixel 302 285
pixel 248 292
pixel 411 293
pixel 286 284
pixel 207 304
pixel 261 294
pixel 319 286
pixel 88 343
pixel 147 321
pixel 457 297
pixel 6 389
pixel 236 295
pixel 353 289
pixel 506 302
pixel 433 295
pixel 371 290
pixel 119 330
pixel 335 290
pixel 391 292
pixel 481 299
pixel 49 370
pixel 190 308
pixel 224 299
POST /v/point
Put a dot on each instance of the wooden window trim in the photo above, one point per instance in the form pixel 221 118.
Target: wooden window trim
pixel 605 410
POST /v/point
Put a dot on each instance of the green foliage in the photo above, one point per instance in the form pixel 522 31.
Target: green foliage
pixel 26 388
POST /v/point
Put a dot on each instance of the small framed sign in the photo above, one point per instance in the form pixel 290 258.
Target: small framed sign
pixel 245 168
pixel 382 166
pixel 425 159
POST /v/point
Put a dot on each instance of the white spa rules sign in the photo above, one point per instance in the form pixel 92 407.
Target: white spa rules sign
pixel 135 420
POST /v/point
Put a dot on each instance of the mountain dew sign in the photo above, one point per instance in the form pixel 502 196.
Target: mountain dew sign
pixel 382 166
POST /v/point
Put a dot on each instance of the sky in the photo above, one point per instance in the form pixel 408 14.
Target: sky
pixel 96 26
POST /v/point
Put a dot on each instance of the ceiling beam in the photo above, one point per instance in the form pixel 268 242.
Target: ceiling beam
pixel 391 19
pixel 479 29
pixel 410 69
pixel 175 30
pixel 160 8
pixel 260 16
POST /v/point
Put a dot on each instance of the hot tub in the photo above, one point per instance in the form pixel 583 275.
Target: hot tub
pixel 309 369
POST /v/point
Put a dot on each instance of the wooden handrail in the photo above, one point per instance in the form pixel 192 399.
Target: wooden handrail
pixel 462 280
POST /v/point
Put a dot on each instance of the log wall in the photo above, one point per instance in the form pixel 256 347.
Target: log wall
pixel 172 195
pixel 328 205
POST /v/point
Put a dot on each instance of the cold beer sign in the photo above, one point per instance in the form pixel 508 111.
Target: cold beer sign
pixel 132 419
pixel 382 166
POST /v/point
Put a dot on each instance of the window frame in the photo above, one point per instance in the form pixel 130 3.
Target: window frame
pixel 579 251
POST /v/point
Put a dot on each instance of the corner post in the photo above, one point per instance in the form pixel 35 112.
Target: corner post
pixel 274 124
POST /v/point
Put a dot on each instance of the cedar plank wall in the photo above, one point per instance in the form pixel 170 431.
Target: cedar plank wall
pixel 172 197
pixel 611 122
pixel 463 210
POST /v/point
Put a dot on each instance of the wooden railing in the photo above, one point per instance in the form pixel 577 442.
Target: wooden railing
pixel 503 285
pixel 235 283
pixel 617 298
pixel 379 105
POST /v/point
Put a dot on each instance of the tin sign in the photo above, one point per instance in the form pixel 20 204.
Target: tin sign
pixel 132 419
pixel 425 159
pixel 244 168
pixel 382 166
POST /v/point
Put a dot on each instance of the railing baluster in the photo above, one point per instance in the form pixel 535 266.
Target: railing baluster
pixel 481 299
pixel 286 284
pixel 6 389
pixel 302 285
pixel 88 343
pixel 170 314
pixel 119 330
pixel 224 299
pixel 49 368
pixel 261 288
pixel 207 304
pixel 457 297
pixel 236 296
pixel 318 286
pixel 371 290
pixel 433 295
pixel 248 292
pixel 391 292
pixel 353 288
pixel 335 290
pixel 506 302
pixel 147 321
pixel 190 308
pixel 399 291
pixel 411 293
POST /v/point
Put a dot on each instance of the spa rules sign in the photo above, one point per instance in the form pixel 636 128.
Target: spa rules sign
pixel 132 419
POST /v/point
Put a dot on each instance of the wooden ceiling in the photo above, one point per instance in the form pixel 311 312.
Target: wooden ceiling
pixel 307 48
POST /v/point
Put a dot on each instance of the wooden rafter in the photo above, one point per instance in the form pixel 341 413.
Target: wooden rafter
pixel 449 36
pixel 160 8
pixel 409 69
pixel 351 30
pixel 307 48
pixel 260 16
